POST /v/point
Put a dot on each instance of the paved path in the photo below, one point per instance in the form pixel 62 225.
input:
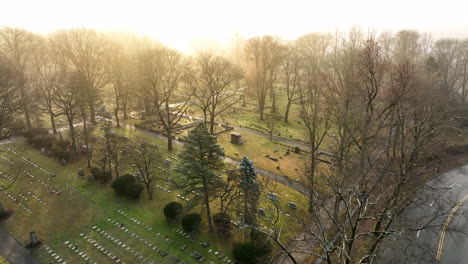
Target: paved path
pixel 13 251
pixel 8 140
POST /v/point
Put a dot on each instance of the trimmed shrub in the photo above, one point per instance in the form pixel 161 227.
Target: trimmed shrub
pixel 42 141
pixel 255 251
pixel 262 243
pixel 191 222
pixel 120 184
pixel 62 154
pixel 134 190
pixel 127 185
pixel 100 175
pixel 34 132
pixel 172 210
pixel 245 253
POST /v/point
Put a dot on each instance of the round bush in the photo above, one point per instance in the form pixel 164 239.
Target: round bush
pixel 34 132
pixel 245 253
pixel 172 210
pixel 120 184
pixel 126 185
pixel 191 222
pixel 100 175
pixel 262 243
pixel 134 190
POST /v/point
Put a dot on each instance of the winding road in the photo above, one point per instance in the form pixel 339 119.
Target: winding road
pixel 436 226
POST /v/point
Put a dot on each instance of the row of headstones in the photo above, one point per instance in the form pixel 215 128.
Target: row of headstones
pixel 37 166
pixel 12 151
pixel 68 186
pixel 101 249
pixel 218 254
pixel 35 197
pixel 162 188
pixel 150 229
pixel 54 255
pixel 6 159
pixel 76 250
pixel 274 197
pixel 183 198
pixel 166 238
pixel 140 239
pixel 119 243
pixel 6 177
pixel 22 205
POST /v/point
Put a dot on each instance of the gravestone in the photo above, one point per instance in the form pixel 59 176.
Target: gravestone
pixel 273 197
pixel 34 241
pixel 236 138
pixel 168 162
pixel 81 172
pixel 261 211
pixel 297 150
pixel 292 205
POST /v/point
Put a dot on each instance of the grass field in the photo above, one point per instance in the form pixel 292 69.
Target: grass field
pixel 84 204
pixel 3 261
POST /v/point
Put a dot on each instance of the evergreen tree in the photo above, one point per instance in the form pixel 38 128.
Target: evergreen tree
pixel 201 157
pixel 250 191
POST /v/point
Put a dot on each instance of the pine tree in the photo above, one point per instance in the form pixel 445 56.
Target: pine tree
pixel 201 157
pixel 250 191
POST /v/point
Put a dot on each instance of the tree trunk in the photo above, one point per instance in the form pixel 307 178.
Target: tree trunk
pixel 52 122
pixel 261 108
pixel 85 128
pixel 286 113
pixel 169 139
pixel 273 103
pixel 24 104
pixel 148 189
pixel 207 203
pixel 212 123
pixel 92 113
pixel 2 211
pixel 72 133
pixel 116 169
pixel 124 105
pixel 116 113
pixel 116 109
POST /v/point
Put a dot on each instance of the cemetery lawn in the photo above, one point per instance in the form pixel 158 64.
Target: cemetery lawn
pixel 3 261
pixel 256 148
pixel 83 204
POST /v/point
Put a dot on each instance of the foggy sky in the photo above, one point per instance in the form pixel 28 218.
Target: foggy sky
pixel 179 22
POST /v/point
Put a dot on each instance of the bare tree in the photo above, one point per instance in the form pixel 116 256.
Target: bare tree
pixel 9 97
pixel 86 49
pixel 212 80
pixel 47 74
pixel 160 73
pixel 313 110
pixel 464 71
pixel 67 98
pixel 291 77
pixel 117 72
pixel 264 56
pixel 18 46
pixel 148 161
pixel 449 65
